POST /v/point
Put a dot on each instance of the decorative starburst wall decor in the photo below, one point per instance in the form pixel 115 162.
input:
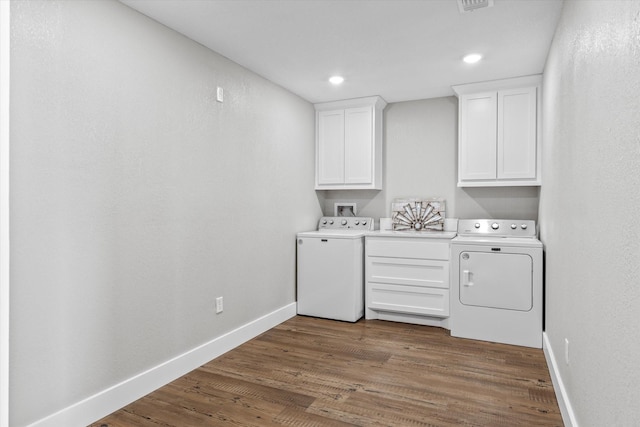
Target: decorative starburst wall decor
pixel 418 214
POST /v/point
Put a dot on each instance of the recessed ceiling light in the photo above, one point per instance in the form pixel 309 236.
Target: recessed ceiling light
pixel 336 80
pixel 472 58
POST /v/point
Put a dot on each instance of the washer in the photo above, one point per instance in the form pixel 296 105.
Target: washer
pixel 330 268
pixel 496 282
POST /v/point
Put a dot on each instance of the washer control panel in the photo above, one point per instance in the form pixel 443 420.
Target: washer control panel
pixel 497 227
pixel 342 222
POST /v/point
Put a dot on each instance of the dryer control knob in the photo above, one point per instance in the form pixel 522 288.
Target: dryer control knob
pixel 324 222
pixel 524 226
pixel 495 225
pixel 477 225
pixel 344 222
pixel 364 223
pixel 331 222
pixel 357 222
pixel 513 226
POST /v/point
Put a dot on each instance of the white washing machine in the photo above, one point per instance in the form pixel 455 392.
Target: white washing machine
pixel 331 268
pixel 496 282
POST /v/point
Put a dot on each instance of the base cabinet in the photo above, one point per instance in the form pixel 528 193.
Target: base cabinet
pixel 407 279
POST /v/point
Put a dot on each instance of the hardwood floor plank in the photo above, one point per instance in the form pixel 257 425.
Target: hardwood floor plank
pixel 219 385
pixel 309 382
pixel 164 413
pixel 297 418
pixel 318 372
pixel 358 410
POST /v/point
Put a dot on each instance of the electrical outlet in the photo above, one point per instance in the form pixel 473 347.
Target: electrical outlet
pixel 566 351
pixel 219 94
pixel 219 306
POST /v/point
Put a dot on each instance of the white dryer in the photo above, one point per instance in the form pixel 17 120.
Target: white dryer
pixel 331 268
pixel 496 282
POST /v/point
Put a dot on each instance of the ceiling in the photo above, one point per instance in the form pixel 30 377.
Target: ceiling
pixel 399 49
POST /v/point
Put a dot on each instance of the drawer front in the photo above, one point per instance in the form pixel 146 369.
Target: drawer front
pixel 412 272
pixel 408 299
pixel 408 248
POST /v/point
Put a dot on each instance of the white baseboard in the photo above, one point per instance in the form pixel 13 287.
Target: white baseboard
pixel 107 401
pixel 568 416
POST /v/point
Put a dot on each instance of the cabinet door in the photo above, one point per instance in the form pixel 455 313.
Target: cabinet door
pixel 358 131
pixel 477 156
pixel 330 155
pixel 517 133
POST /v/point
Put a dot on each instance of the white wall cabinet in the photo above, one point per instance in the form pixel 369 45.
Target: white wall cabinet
pixel 499 133
pixel 349 144
pixel 407 279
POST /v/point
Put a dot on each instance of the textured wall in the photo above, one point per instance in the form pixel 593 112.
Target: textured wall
pixel 421 149
pixel 137 199
pixel 589 208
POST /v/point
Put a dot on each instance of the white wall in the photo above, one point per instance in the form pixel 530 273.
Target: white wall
pixel 589 208
pixel 137 199
pixel 420 155
pixel 5 12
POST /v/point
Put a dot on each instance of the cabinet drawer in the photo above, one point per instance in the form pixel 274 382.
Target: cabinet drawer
pixel 408 248
pixel 408 299
pixel 411 272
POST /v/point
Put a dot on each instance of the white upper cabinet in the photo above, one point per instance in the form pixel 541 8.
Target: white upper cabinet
pixel 499 133
pixel 349 144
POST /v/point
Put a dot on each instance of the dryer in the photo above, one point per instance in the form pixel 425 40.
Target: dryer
pixel 496 282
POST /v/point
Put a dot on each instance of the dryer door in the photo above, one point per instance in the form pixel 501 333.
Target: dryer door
pixel 496 280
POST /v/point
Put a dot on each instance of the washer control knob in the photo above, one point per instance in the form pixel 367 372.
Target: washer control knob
pixel 344 222
pixel 357 222
pixel 364 222
pixel 513 226
pixel 495 225
pixel 324 222
pixel 331 222
pixel 524 226
pixel 477 225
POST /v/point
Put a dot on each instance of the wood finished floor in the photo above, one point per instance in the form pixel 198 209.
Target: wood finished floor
pixel 315 372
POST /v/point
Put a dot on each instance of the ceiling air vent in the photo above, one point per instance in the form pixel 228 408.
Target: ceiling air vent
pixel 465 6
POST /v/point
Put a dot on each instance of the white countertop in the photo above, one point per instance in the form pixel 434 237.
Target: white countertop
pixel 413 234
